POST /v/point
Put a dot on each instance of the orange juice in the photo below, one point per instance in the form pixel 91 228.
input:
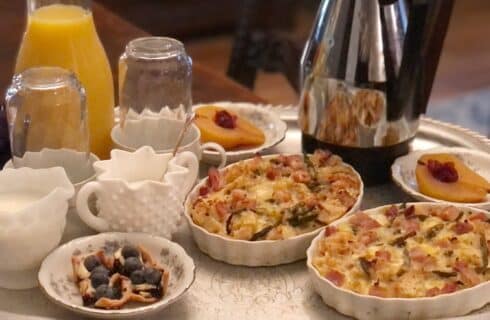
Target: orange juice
pixel 65 36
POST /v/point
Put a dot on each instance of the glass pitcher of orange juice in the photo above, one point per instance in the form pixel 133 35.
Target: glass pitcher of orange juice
pixel 62 33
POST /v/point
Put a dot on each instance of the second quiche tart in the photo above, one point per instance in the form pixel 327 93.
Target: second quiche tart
pixel 421 260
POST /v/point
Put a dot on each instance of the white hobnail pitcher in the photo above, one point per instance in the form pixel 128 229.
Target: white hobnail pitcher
pixel 139 191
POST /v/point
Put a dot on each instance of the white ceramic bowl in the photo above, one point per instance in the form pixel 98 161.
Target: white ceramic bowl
pixel 253 253
pixel 29 233
pixel 403 172
pixel 367 307
pixel 56 274
pixel 161 134
pixel 264 118
pixel 50 158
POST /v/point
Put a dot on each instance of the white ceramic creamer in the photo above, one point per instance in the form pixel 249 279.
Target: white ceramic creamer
pixel 139 191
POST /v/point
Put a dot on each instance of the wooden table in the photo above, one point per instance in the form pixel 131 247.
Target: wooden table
pixel 115 33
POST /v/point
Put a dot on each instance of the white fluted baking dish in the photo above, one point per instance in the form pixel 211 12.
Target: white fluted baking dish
pixel 254 253
pixel 366 307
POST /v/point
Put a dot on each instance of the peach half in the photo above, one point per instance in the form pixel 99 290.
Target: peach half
pixel 444 176
pixel 227 128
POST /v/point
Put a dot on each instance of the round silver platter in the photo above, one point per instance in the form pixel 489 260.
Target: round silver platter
pixel 223 292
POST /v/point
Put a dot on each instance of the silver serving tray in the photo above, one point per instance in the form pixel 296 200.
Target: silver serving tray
pixel 224 292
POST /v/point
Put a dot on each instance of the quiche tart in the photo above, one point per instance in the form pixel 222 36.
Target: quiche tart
pixel 276 198
pixel 404 252
pixel 269 200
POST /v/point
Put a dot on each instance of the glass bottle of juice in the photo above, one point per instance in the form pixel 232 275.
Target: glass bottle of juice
pixel 62 33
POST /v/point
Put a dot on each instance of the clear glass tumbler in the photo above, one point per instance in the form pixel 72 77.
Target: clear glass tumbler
pixel 155 73
pixel 47 119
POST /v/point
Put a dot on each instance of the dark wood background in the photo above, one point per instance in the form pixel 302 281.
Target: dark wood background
pixel 115 32
pixel 464 65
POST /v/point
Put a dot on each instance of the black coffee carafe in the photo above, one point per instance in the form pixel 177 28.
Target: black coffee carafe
pixel 4 138
pixel 367 72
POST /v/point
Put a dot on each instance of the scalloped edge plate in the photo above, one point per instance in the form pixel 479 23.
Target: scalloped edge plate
pixel 261 116
pixel 58 263
pixel 403 172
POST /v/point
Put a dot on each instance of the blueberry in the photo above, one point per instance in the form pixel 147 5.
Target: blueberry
pixel 108 292
pixel 91 262
pixel 130 251
pixel 101 269
pixel 98 278
pixel 156 293
pixel 101 291
pixel 138 277
pixel 152 276
pixel 132 264
pixel 113 293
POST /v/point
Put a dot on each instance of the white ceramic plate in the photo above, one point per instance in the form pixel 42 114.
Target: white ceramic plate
pixel 261 116
pixel 56 274
pixel 367 307
pixel 254 253
pixel 403 171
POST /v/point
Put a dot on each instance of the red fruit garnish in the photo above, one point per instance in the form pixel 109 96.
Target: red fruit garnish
pixel 445 172
pixel 225 120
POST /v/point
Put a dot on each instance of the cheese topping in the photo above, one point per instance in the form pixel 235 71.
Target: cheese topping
pixel 276 198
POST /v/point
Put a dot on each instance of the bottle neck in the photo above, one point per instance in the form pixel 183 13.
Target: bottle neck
pixel 33 5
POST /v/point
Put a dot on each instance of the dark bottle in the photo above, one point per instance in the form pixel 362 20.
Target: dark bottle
pixel 4 137
pixel 367 73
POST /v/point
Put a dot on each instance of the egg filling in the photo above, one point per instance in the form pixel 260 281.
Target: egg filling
pixel 406 252
pixel 276 198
